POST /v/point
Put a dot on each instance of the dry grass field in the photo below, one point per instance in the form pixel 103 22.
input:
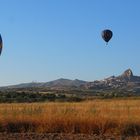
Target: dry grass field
pixel 97 117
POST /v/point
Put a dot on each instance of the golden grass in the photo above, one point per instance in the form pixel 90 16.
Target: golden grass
pixel 93 117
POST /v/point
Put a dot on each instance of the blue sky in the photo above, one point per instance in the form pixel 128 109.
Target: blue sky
pixel 48 39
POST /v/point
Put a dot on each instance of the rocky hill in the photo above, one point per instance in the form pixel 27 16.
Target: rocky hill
pixel 125 81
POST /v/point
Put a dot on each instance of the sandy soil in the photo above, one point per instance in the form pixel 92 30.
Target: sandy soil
pixel 55 136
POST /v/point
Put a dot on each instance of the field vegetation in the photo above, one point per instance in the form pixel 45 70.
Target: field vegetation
pixel 115 117
pixel 40 95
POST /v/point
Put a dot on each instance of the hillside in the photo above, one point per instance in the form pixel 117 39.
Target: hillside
pixel 124 85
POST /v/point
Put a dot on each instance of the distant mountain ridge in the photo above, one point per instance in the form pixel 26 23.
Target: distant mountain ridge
pixel 124 81
pixel 59 83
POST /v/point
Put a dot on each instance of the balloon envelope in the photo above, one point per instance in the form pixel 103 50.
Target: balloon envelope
pixel 1 45
pixel 107 35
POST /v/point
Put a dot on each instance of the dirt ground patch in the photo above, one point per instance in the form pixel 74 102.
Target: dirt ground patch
pixel 57 136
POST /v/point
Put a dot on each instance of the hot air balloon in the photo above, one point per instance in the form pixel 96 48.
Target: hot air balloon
pixel 107 35
pixel 1 44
